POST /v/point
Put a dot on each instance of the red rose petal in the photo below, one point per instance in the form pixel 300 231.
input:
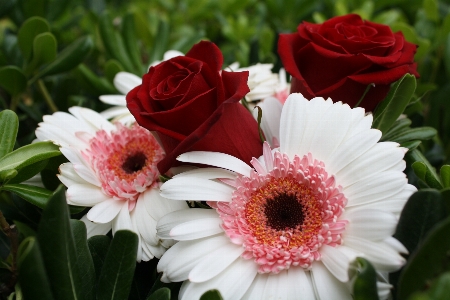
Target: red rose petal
pixel 207 52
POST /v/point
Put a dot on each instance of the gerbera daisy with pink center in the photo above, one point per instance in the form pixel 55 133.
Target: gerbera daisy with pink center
pixel 293 222
pixel 111 168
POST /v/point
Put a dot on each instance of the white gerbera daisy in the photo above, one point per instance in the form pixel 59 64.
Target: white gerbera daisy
pixel 125 82
pixel 112 169
pixel 291 224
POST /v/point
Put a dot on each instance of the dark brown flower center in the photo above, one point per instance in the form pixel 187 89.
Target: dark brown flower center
pixel 283 212
pixel 134 163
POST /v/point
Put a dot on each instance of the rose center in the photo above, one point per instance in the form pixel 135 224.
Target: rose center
pixel 284 212
pixel 134 163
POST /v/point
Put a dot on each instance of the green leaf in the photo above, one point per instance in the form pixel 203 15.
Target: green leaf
pixel 445 175
pixel 395 103
pixel 399 126
pixel 365 286
pixel 13 80
pixel 130 39
pixel 84 259
pixel 161 294
pixel 419 133
pixel 28 155
pixel 431 175
pixel 69 58
pixel 427 262
pixel 7 174
pixel 117 272
pixel 112 67
pixel 33 194
pixel 99 84
pixel 9 124
pixel 28 31
pixel 29 171
pixel 24 229
pixel 431 9
pixel 423 210
pixel 424 173
pixel 44 51
pixel 98 246
pixel 58 248
pixel 33 279
pixel 211 295
pixel 439 289
pixel 162 36
pixel 113 42
pixel 411 145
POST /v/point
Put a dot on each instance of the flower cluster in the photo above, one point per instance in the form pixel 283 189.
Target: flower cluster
pixel 277 208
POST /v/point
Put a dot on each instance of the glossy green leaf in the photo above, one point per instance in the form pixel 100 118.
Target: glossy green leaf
pixel 7 174
pixel 415 155
pixel 398 126
pixel 28 155
pixel 44 50
pixel 130 40
pixel 112 67
pixel 395 103
pixel 13 80
pixel 98 246
pixel 430 260
pixel 33 279
pixel 423 210
pixel 117 272
pixel 162 36
pixel 9 124
pixel 439 289
pixel 84 259
pixel 365 286
pixel 211 295
pixel 411 145
pixel 424 173
pixel 28 31
pixel 35 195
pixel 161 294
pixel 58 248
pixel 69 58
pixel 445 175
pixel 24 229
pixel 419 133
pixel 29 171
pixel 113 42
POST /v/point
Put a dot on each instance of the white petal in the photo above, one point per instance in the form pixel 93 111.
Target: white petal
pixel 119 100
pixel 299 284
pixel 158 206
pixel 208 173
pixel 326 286
pixel 271 114
pixel 115 112
pixel 382 157
pixel 256 289
pixel 330 131
pixel 171 54
pixel 188 188
pixel 336 262
pixel 232 283
pixel 85 195
pixel 145 224
pixel 87 174
pixel 171 220
pixel 215 262
pixel 68 176
pixel 125 82
pixel 94 228
pixel 374 225
pixel 105 211
pixel 384 290
pixel 382 256
pixel 396 245
pixel 196 229
pixel 123 220
pixel 92 118
pixel 178 261
pixel 350 149
pixel 380 186
pixel 216 159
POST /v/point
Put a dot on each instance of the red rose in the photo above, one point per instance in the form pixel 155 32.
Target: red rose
pixel 342 56
pixel 194 106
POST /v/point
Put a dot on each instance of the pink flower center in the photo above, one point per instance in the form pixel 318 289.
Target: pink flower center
pixel 124 160
pixel 284 215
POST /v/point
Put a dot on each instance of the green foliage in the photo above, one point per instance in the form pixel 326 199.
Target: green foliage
pixel 365 286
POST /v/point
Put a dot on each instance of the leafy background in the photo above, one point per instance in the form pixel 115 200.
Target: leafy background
pixel 55 54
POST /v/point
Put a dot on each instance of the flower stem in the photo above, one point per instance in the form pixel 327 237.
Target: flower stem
pixel 47 97
pixel 364 94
